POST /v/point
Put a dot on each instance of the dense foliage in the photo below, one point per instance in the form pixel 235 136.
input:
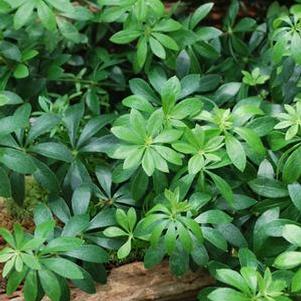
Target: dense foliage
pixel 152 134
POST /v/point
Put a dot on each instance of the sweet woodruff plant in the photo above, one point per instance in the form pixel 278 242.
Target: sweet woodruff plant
pixel 147 133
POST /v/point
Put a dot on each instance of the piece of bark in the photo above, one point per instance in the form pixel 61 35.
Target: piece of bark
pixel 132 282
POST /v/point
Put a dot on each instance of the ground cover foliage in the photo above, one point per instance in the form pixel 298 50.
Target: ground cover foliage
pixel 152 135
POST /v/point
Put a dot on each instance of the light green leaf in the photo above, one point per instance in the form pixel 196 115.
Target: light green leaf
pixel 23 14
pixel 288 260
pixel 125 36
pixel 63 267
pixel 124 250
pixel 21 71
pixel 292 233
pixel 46 16
pixel 156 48
pixel 50 284
pixel 148 163
pixel 227 294
pixel 236 152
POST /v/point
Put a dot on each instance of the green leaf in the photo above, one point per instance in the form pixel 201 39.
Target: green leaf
pixel 112 14
pixel 292 233
pixel 183 64
pixel 159 161
pixel 41 214
pixel 232 234
pixel 140 87
pixel 288 260
pixel 215 238
pixel 61 5
pixel 30 289
pixel 114 232
pixel 242 201
pixel 207 33
pixel 122 219
pixel 125 36
pixel 247 258
pixel 227 294
pixel 296 46
pixel 86 284
pixel 106 217
pixel 17 161
pixel 139 184
pixel 294 191
pixel 226 92
pixel 127 135
pixel 269 188
pixel 223 187
pixel 200 255
pixel 200 14
pixel 76 225
pixel 169 154
pixel 184 237
pixel 296 282
pixel 14 280
pixel 291 172
pixel 188 107
pixel 31 261
pixel 156 48
pixel 21 71
pixel 245 25
pixel 81 199
pixel 148 163
pixel 10 51
pixel 213 216
pixel 90 253
pixel 17 121
pixel 8 267
pixel 170 238
pixel 59 208
pixel 139 103
pixel 42 125
pixel 4 7
pixel 23 14
pixel 54 150
pixel 233 279
pixel 46 16
pixel 190 84
pixel 169 93
pixel 132 218
pixel 236 152
pixel 279 50
pixel 63 267
pixel 93 126
pixel 168 136
pixel 62 244
pixel 45 176
pixel 179 262
pixel 166 41
pixel 50 284
pixel 44 229
pixel 9 98
pixel 155 122
pixel 261 224
pixel 69 31
pixel 252 139
pixel 142 51
pixel 167 25
pixel 153 255
pixel 125 249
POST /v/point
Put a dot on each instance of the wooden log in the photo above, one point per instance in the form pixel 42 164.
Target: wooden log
pixel 132 282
